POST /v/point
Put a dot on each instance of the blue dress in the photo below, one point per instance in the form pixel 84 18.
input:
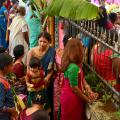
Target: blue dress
pixel 3 27
pixel 6 100
pixel 48 63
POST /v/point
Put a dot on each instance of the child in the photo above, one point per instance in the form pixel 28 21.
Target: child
pixel 7 107
pixel 19 68
pixel 35 79
pixel 35 112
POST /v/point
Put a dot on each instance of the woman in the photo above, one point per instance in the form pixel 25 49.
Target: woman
pixel 7 106
pixel 34 24
pixel 46 54
pixel 19 32
pixel 102 62
pixel 59 77
pixel 73 97
pixel 112 21
pixel 3 24
pixel 19 69
pixel 102 58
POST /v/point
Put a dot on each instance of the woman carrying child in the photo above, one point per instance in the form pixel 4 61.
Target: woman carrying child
pixel 46 55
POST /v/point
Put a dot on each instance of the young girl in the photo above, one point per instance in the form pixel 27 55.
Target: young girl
pixel 7 107
pixel 35 79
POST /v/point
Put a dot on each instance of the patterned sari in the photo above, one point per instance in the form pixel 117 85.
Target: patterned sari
pixel 57 83
pixel 48 64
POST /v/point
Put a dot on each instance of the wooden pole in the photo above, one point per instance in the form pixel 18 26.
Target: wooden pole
pixel 52 30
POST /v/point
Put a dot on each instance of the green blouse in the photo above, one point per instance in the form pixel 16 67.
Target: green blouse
pixel 72 74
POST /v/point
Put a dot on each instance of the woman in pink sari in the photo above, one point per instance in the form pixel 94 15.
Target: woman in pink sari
pixel 59 78
pixel 73 97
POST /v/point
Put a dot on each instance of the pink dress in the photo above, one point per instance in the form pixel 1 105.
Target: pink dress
pixel 57 84
pixel 72 107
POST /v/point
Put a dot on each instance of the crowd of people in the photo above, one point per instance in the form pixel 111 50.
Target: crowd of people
pixel 49 82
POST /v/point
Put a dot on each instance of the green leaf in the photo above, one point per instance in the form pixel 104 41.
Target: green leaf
pixel 74 9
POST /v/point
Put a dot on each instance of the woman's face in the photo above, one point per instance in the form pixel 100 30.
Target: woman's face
pixel 43 42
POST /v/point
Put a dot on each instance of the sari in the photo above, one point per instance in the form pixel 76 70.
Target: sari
pixel 17 27
pixel 103 65
pixel 57 83
pixel 3 27
pixel 48 64
pixel 19 71
pixel 47 61
pixel 34 25
pixel 72 106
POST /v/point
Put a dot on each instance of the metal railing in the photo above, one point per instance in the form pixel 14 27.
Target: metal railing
pixel 108 39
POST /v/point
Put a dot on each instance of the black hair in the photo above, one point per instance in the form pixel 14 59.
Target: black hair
pixel 113 17
pixel 45 35
pixel 34 62
pixel 39 98
pixel 1 3
pixel 18 51
pixel 2 49
pixel 40 115
pixel 65 39
pixel 102 21
pixel 5 60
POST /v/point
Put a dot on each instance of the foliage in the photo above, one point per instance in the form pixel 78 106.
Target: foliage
pixel 117 113
pixel 25 1
pixel 106 97
pixel 73 9
pixel 92 79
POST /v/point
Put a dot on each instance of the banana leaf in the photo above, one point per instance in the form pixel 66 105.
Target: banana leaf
pixel 73 9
